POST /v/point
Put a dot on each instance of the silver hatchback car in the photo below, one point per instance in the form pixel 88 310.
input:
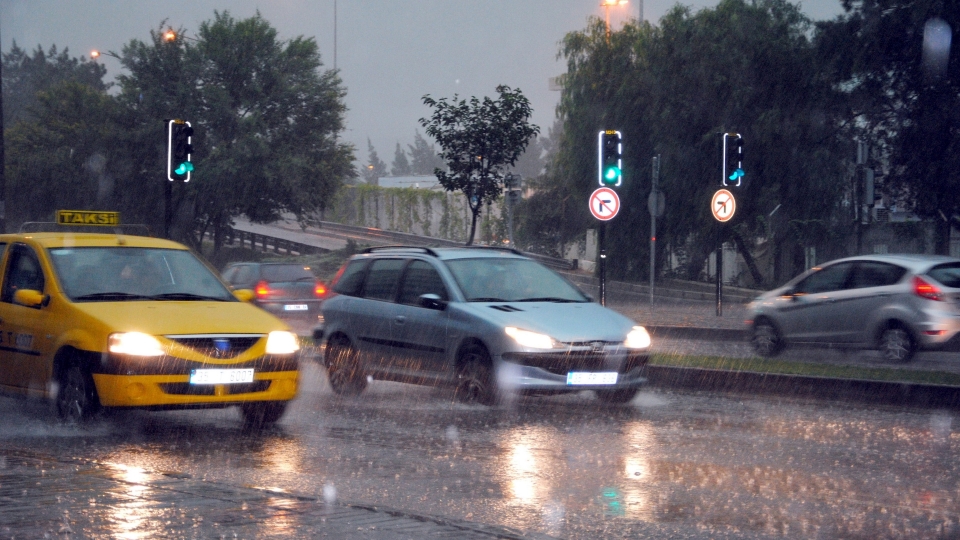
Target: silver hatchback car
pixel 487 321
pixel 898 304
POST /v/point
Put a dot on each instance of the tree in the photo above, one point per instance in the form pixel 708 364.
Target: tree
pixel 375 166
pixel 903 98
pixel 401 165
pixel 25 75
pixel 265 118
pixel 423 156
pixel 478 140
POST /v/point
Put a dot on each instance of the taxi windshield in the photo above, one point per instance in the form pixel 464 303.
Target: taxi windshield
pixel 112 274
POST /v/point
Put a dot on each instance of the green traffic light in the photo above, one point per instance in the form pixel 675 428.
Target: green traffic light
pixel 611 175
pixel 184 168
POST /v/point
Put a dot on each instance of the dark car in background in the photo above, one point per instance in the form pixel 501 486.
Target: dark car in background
pixel 289 291
pixel 898 304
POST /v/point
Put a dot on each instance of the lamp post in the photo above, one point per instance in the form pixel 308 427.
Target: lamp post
pixel 606 5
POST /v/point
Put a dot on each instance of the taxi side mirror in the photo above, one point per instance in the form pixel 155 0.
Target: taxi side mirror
pixel 30 298
pixel 243 295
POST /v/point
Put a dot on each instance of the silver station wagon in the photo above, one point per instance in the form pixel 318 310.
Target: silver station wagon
pixel 898 304
pixel 488 321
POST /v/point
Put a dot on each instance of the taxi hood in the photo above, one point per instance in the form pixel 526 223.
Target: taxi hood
pixel 182 317
pixel 567 322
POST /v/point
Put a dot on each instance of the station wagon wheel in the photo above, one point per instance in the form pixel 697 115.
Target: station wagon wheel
pixel 343 368
pixel 896 344
pixel 76 399
pixel 766 338
pixel 475 380
pixel 262 414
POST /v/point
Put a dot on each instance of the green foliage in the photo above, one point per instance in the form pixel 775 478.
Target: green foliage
pixel 423 157
pixel 672 90
pixel 898 102
pixel 401 165
pixel 25 75
pixel 375 166
pixel 478 140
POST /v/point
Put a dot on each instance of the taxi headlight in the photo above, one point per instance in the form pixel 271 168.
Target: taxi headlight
pixel 638 338
pixel 526 338
pixel 134 344
pixel 282 342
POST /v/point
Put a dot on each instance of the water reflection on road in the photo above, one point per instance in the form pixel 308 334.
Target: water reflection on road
pixel 670 464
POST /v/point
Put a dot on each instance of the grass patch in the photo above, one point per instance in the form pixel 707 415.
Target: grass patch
pixel 759 365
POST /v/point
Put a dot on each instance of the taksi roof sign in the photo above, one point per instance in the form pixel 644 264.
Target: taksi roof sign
pixel 604 204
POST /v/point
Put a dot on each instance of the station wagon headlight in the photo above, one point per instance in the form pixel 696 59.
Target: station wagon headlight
pixel 282 342
pixel 638 338
pixel 526 338
pixel 134 344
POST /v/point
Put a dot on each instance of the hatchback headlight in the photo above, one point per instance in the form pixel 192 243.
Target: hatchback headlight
pixel 134 344
pixel 282 342
pixel 526 338
pixel 638 338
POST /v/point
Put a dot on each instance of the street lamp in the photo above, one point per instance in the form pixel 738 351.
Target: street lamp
pixel 606 5
pixel 94 54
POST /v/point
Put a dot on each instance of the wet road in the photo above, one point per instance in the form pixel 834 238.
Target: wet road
pixel 669 465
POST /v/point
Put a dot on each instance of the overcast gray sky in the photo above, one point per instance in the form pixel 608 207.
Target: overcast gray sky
pixel 390 52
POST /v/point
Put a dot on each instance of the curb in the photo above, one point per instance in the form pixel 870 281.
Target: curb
pixel 857 390
pixel 700 333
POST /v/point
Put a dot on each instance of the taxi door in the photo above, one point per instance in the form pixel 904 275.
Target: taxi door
pixel 24 347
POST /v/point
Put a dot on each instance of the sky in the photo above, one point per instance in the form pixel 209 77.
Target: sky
pixel 390 53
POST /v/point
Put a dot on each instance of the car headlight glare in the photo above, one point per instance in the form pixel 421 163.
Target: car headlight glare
pixel 134 344
pixel 282 342
pixel 638 338
pixel 526 338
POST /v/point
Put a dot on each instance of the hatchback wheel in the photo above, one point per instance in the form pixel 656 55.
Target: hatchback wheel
pixel 766 339
pixel 896 345
pixel 475 380
pixel 76 398
pixel 343 368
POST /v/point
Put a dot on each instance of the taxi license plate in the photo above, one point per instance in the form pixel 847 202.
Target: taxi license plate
pixel 295 307
pixel 591 378
pixel 221 376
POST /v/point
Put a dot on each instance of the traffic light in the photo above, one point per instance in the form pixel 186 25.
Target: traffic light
pixel 732 159
pixel 179 150
pixel 610 149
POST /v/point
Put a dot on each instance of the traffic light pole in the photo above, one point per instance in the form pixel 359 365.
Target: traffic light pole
pixel 167 208
pixel 602 262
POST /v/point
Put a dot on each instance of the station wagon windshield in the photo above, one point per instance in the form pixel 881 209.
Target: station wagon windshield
pixel 511 280
pixel 111 274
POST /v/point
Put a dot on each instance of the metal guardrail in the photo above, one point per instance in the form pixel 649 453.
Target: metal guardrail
pixel 267 243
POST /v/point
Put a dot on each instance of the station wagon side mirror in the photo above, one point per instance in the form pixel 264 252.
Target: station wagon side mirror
pixel 243 295
pixel 432 301
pixel 30 298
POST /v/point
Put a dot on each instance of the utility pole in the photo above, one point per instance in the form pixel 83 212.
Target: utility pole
pixel 655 206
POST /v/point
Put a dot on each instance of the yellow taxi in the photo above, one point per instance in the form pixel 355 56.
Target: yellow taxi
pixel 94 320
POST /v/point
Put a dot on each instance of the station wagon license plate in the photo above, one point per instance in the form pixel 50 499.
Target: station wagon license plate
pixel 221 376
pixel 591 378
pixel 295 307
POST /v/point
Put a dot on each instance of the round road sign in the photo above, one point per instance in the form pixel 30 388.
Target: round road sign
pixel 723 205
pixel 604 204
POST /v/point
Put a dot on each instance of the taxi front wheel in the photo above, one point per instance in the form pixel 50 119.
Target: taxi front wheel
pixel 77 398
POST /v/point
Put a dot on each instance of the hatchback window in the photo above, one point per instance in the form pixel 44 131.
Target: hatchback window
pixel 948 274
pixel 421 278
pixel 382 279
pixel 490 279
pixel 831 278
pixel 875 274
pixel 285 272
